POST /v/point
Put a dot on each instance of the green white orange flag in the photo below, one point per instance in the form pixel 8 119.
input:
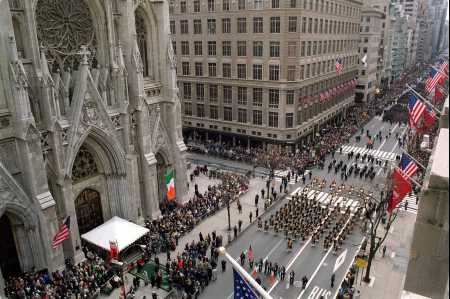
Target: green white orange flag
pixel 170 183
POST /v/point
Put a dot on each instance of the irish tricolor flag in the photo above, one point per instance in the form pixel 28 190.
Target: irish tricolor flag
pixel 170 183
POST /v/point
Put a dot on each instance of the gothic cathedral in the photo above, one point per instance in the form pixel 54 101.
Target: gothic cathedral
pixel 90 122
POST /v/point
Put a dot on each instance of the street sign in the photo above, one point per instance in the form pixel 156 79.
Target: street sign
pixel 340 260
pixel 361 263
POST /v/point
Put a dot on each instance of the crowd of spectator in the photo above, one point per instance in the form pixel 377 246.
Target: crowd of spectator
pixel 84 280
pixel 179 220
pixel 328 140
pixel 192 270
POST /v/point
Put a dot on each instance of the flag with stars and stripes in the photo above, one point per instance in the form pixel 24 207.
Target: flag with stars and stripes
pixel 62 234
pixel 339 66
pixel 242 290
pixel 407 165
pixel 416 109
pixel 433 78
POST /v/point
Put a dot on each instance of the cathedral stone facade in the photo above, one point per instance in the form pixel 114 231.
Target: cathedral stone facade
pixel 89 122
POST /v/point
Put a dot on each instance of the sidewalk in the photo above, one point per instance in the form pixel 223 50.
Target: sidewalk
pixel 218 222
pixel 388 273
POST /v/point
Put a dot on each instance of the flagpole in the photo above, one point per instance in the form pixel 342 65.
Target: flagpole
pixel 248 277
pixel 439 71
pixel 422 98
pixel 409 177
pixel 421 165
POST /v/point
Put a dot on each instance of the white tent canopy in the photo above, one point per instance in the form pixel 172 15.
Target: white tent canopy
pixel 115 229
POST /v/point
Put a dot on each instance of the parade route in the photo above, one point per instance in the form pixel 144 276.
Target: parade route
pixel 305 258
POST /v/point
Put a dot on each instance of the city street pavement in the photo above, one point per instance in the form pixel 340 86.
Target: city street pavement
pixel 388 273
pixel 305 259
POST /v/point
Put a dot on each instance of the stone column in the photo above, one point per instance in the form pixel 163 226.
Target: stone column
pixel 71 247
pixel 154 202
pixel 150 186
pixel 24 251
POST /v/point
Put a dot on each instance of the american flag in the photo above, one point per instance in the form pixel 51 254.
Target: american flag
pixel 433 78
pixel 62 234
pixel 407 165
pixel 242 290
pixel 339 66
pixel 416 109
pixel 443 65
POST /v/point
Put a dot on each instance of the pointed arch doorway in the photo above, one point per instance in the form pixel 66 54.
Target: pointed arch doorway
pixel 9 258
pixel 88 208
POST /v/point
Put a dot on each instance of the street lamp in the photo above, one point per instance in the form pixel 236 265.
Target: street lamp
pixel 228 211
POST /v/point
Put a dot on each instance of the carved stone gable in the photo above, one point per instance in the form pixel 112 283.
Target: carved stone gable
pixel 91 114
pixel 89 111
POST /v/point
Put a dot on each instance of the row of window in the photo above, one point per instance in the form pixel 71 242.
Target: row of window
pixel 227 5
pixel 293 24
pixel 307 48
pixel 293 72
pixel 243 93
pixel 257 115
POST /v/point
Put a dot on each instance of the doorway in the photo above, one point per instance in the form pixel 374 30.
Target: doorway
pixel 9 260
pixel 88 208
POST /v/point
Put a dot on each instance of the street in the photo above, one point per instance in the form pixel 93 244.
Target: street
pixel 305 259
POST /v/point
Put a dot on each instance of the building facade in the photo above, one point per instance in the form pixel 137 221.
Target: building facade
pixel 425 21
pixel 375 46
pixel 255 70
pixel 410 9
pixel 439 13
pixel 89 122
pixel 427 274
pixel 399 41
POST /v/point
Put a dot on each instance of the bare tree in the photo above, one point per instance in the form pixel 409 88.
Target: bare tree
pixel 376 211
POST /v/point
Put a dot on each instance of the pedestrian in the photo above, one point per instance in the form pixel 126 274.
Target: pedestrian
pixel 242 258
pixel 283 273
pixel 250 217
pixel 384 250
pixel 235 230
pixel 262 193
pixel 304 282
pixel 291 277
pixel 224 265
pixel 332 280
pixel 256 200
pixel 417 199
pixel 406 205
pixel 310 174
pixel 239 225
pixel 154 295
pixel 239 208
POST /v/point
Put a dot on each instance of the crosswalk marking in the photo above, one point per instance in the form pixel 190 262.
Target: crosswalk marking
pixel 412 206
pixel 377 154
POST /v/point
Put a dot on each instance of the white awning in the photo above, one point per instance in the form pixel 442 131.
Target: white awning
pixel 116 229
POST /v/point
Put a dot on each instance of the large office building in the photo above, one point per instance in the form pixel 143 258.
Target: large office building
pixel 410 9
pixel 375 45
pixel 264 70
pixel 425 22
pixel 399 24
